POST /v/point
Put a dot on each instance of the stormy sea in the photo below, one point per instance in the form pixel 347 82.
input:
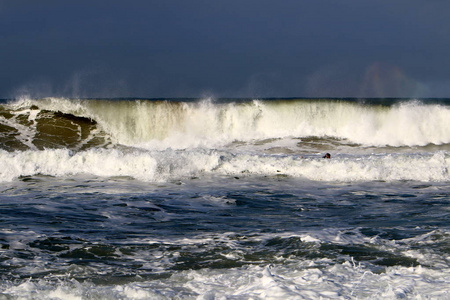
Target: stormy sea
pixel 224 198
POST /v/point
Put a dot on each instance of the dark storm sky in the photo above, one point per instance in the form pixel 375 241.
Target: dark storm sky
pixel 245 48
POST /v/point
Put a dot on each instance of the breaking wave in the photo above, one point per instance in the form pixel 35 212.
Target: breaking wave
pixel 161 124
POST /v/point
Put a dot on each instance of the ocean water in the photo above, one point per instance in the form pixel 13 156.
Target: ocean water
pixel 224 199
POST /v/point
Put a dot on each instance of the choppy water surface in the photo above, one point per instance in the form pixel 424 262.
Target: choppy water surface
pixel 239 238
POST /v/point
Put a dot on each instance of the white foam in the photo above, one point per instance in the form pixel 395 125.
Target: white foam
pixel 425 167
pixel 294 281
pixel 160 166
pixel 102 162
pixel 292 278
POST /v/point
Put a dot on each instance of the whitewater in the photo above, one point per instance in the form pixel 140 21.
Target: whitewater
pixel 224 198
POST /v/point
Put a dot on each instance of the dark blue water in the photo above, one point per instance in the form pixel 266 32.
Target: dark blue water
pixel 122 238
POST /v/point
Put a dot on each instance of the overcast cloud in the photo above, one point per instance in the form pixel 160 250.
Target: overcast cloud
pixel 245 48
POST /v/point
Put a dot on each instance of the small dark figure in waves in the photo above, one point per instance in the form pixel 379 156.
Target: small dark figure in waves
pixel 328 155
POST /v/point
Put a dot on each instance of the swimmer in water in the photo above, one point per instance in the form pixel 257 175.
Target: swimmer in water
pixel 328 155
